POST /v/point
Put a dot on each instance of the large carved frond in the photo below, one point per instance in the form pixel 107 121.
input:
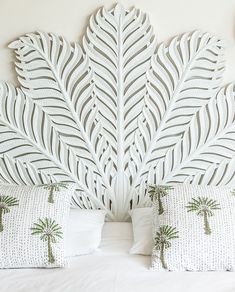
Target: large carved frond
pixel 118 112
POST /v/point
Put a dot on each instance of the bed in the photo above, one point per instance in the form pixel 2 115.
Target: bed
pixel 113 269
pixel 93 115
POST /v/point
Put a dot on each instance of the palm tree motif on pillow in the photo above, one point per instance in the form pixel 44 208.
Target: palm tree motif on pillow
pixel 6 202
pixel 204 207
pixel 157 192
pixel 163 239
pixel 49 231
pixel 233 192
pixel 52 188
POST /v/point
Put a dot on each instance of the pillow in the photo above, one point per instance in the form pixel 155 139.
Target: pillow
pixel 84 231
pixel 33 221
pixel 117 238
pixel 194 228
pixel 142 231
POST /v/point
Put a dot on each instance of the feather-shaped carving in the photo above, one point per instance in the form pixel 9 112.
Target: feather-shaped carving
pixel 118 112
pixel 216 174
pixel 120 45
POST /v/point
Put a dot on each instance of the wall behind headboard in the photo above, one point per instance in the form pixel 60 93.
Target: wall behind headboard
pixel 69 18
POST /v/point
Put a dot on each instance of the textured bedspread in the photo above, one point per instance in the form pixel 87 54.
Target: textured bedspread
pixel 113 270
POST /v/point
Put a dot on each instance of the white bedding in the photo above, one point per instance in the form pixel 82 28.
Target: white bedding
pixel 113 270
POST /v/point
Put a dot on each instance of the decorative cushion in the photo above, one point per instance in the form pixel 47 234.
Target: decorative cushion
pixel 142 231
pixel 84 231
pixel 193 228
pixel 33 221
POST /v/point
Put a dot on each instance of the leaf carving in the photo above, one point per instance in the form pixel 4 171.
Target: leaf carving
pixel 16 172
pixel 120 45
pixel 209 138
pixel 216 174
pixel 64 93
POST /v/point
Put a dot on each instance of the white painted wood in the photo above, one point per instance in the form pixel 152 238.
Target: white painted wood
pixel 118 112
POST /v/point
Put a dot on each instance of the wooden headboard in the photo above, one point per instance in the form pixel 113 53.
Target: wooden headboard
pixel 117 112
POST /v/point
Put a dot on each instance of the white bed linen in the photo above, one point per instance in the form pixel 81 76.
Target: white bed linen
pixel 113 269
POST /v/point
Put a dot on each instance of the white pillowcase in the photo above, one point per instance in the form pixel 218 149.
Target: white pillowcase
pixel 142 231
pixel 84 231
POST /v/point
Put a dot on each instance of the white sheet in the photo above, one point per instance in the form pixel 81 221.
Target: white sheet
pixel 113 270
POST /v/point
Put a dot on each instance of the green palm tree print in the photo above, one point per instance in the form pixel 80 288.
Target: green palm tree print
pixel 6 202
pixel 233 192
pixel 49 231
pixel 203 207
pixel 53 187
pixel 162 241
pixel 156 192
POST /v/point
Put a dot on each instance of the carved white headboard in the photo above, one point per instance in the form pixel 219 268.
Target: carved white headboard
pixel 118 112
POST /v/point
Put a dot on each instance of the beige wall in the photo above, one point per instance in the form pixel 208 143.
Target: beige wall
pixel 69 18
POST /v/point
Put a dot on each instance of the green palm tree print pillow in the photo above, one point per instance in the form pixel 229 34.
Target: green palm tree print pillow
pixel 193 228
pixel 33 220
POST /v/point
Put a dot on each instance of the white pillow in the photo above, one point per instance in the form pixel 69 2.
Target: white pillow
pixel 142 231
pixel 84 231
pixel 194 228
pixel 33 223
